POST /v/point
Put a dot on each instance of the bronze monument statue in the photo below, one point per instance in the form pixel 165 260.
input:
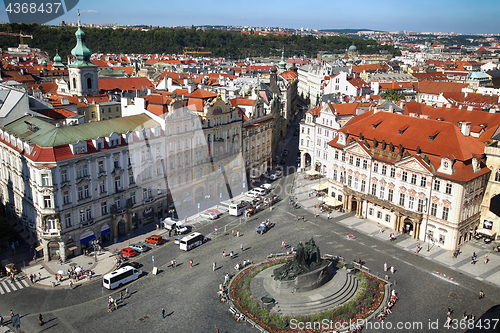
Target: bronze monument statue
pixel 307 258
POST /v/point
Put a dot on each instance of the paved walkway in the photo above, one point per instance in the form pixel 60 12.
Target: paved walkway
pixel 489 272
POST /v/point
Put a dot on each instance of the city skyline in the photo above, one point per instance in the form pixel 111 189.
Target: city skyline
pixel 388 15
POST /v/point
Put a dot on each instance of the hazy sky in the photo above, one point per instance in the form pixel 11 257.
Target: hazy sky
pixel 460 16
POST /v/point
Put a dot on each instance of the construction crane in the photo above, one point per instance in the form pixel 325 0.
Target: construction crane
pixel 196 52
pixel 21 35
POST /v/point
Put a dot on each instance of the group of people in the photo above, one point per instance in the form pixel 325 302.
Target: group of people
pixel 223 293
pixel 113 302
pixel 387 309
pixel 242 265
pixel 465 317
pixel 392 269
pixel 35 277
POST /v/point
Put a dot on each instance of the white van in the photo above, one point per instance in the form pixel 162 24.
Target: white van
pixel 224 205
pixel 267 187
pixel 174 225
pixel 260 191
pixel 121 276
pixel 191 241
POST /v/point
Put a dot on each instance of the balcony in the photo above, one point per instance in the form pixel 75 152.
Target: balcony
pixel 87 223
pixel 148 200
pixel 49 234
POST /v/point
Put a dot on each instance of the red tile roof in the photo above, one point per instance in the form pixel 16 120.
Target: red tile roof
pixel 203 94
pixel 241 101
pixel 448 142
pixel 125 84
pixel 436 88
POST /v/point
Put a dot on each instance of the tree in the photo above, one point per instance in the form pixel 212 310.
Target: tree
pixel 391 95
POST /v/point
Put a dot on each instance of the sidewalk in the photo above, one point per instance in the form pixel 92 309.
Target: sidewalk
pixel 489 272
pixel 101 265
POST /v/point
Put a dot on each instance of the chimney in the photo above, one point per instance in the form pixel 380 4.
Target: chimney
pixel 439 105
pixel 402 104
pixel 424 116
pixel 391 108
pixel 492 111
pixel 190 88
pixel 448 106
pixel 412 114
pixel 470 108
pixel 465 128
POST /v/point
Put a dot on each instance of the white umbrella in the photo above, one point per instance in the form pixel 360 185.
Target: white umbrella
pixel 485 232
pixel 60 272
pixel 78 269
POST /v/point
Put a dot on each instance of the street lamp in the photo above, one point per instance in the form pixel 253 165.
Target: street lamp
pixel 429 235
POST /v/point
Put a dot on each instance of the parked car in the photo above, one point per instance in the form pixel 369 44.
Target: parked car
pixel 8 266
pixel 252 194
pixel 134 264
pixel 208 215
pixel 154 239
pixel 274 176
pixel 138 247
pixel 215 211
pixel 128 252
pixel 177 240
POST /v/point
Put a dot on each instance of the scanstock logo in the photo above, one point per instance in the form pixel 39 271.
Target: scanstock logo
pixel 37 11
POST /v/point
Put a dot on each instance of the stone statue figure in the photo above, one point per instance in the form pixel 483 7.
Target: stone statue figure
pixel 307 258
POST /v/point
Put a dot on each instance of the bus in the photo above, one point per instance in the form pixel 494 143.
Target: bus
pixel 238 209
pixel 121 276
pixel 191 241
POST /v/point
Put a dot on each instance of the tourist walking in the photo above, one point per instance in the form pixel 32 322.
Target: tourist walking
pixel 238 233
pixel 231 254
pixel 213 266
pixel 121 296
pixel 162 312
pixel 328 216
pixel 241 247
pixel 232 232
pixel 481 294
pixel 385 267
pixel 191 263
pixel 126 291
pixel 223 253
pixel 392 269
pixel 486 259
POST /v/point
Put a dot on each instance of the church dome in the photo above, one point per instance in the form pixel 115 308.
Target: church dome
pixel 352 48
pixel 57 58
pixel 81 52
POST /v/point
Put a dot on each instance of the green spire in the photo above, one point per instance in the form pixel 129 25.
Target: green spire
pixel 57 60
pixel 81 52
pixel 282 65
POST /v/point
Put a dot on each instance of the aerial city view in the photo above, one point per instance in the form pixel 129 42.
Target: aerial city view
pixel 276 166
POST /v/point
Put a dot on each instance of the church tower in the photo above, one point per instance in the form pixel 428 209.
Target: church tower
pixel 82 73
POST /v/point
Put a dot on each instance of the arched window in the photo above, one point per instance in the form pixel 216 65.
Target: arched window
pixel 89 83
pixel 497 175
pixel 74 83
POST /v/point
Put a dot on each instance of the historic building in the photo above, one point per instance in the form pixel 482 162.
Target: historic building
pixel 490 207
pixel 77 184
pixel 413 175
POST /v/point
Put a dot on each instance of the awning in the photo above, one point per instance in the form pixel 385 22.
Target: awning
pixel 312 172
pixel 72 248
pixel 39 248
pixel 485 232
pixel 320 187
pixel 331 201
pixel 87 239
pixel 105 232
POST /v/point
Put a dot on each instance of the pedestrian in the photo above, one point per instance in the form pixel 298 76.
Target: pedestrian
pixel 162 312
pixel 126 291
pixel 39 277
pixel 70 284
pixel 1 321
pixel 213 266
pixel 486 259
pixel 12 312
pixel 115 304
pixel 449 311
pixel 385 267
pixel 481 294
pixel 472 316
pixel 465 316
pixel 223 253
pixel 315 215
pixel 237 234
pixel 232 232
pixel 231 254
pixel 191 263
pixel 283 244
pixel 109 307
pixel 175 263
pixel 328 216
pixel 392 269
pixel 172 263
pixel 31 278
pixel 448 320
pixel 57 278
pixel 241 247
pixel 121 296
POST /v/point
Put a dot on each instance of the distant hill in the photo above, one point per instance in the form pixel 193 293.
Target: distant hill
pixel 347 31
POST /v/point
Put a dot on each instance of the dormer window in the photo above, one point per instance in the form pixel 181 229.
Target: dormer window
pixel 446 166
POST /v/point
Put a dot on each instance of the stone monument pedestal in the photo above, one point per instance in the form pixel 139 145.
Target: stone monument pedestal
pixel 305 282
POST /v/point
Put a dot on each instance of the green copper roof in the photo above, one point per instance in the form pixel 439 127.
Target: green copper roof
pixel 282 65
pixel 48 135
pixel 81 52
pixel 57 61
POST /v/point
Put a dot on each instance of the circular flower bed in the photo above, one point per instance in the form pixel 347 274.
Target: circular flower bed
pixel 367 299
